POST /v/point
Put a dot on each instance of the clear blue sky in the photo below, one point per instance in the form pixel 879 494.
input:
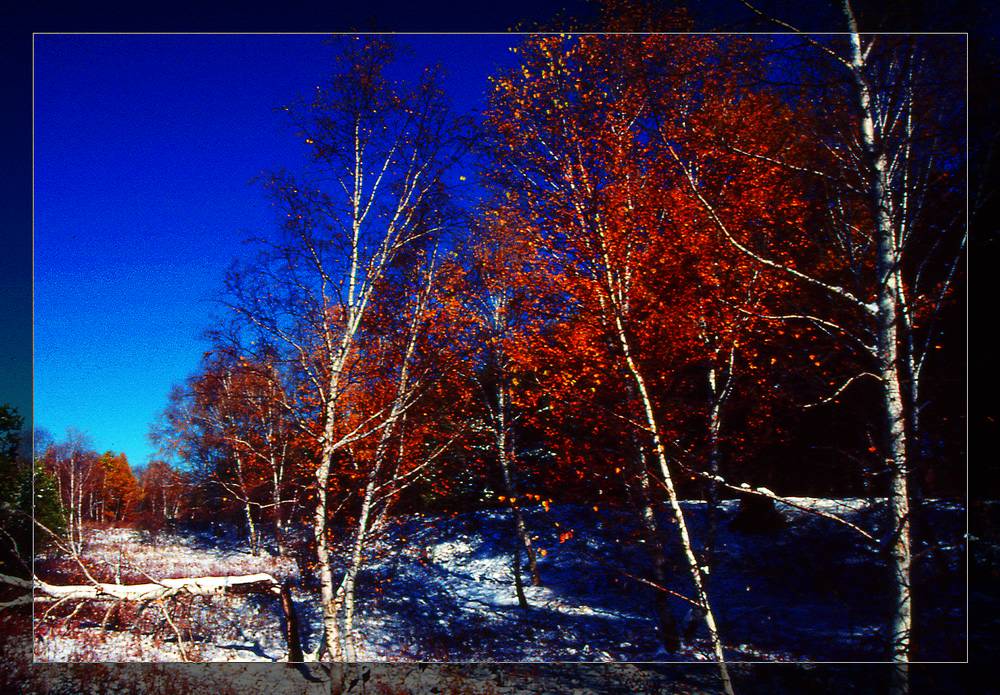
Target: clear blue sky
pixel 144 151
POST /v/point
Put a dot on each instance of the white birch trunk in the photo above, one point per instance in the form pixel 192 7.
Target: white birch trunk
pixel 78 513
pixel 252 538
pixel 279 519
pixel 350 581
pixel 886 318
pixel 330 608
pixel 714 457
pixel 513 494
pixel 669 635
pixel 661 458
pixel 72 507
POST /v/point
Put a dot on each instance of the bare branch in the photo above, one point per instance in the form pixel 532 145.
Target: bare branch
pixel 744 488
pixel 843 386
pixel 868 308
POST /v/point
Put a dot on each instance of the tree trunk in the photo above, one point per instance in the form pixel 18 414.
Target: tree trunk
pixel 511 489
pixel 669 635
pixel 668 482
pixel 279 524
pixel 251 530
pixel 524 539
pixel 329 602
pixel 247 509
pixel 899 501
pixel 350 581
pixel 331 634
pixel 714 457
pixel 522 600
pixel 292 638
pixel 886 317
pixel 79 516
pixel 73 511
pixel 165 588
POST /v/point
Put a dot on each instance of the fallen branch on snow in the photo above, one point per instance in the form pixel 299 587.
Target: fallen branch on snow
pixel 162 589
pixel 744 488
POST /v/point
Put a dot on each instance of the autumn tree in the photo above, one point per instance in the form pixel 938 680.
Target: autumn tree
pixel 499 306
pixel 570 151
pixel 261 432
pixel 164 492
pixel 366 214
pixel 208 422
pixel 229 424
pixel 116 491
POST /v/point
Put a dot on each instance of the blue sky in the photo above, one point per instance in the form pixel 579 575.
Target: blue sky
pixel 145 147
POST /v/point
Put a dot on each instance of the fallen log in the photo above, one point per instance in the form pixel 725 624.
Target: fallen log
pixel 164 588
pixel 261 583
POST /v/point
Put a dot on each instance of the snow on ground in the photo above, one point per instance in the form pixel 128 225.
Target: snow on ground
pixel 810 591
pixel 443 590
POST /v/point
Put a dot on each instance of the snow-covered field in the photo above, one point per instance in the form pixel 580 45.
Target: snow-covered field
pixel 442 590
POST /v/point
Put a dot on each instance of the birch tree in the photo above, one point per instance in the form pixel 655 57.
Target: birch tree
pixel 568 150
pixel 496 295
pixel 373 199
pixel 881 153
pixel 164 490
pixel 228 424
pixel 74 464
pixel 397 378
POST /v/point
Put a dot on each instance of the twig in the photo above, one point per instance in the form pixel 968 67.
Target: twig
pixel 840 390
pixel 180 640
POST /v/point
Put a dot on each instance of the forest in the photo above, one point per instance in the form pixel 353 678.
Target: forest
pixel 659 357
